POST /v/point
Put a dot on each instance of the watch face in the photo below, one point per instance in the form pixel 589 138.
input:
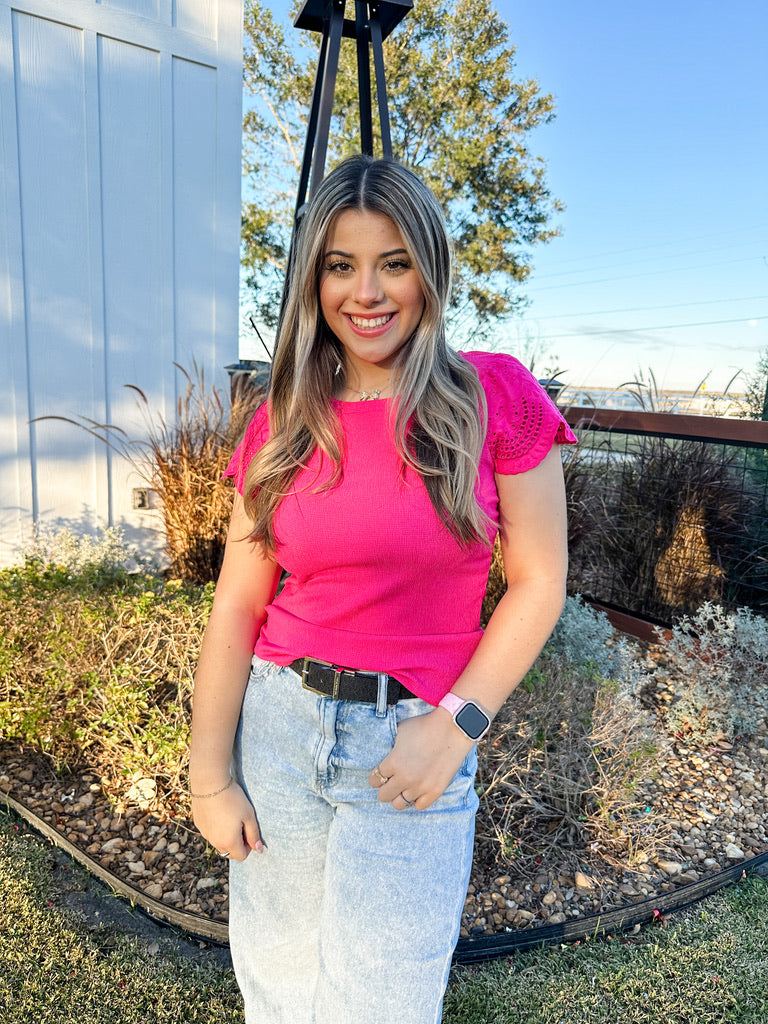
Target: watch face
pixel 472 721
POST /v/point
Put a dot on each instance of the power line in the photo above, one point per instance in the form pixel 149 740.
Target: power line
pixel 644 259
pixel 645 273
pixel 648 309
pixel 639 330
pixel 655 246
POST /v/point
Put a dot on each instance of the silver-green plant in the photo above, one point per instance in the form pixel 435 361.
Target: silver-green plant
pixel 585 637
pixel 106 552
pixel 719 674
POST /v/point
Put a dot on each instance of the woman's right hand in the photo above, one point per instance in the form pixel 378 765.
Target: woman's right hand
pixel 228 822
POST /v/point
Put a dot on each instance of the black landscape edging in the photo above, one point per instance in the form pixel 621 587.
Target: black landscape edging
pixel 490 947
pixel 468 951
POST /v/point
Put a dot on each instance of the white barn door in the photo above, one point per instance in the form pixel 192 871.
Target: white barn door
pixel 120 127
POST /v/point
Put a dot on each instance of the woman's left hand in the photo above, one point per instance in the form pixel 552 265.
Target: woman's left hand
pixel 428 752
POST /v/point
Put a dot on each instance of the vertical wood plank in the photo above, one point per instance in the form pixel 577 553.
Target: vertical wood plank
pixel 15 464
pixel 104 495
pixel 229 124
pixel 194 210
pixel 48 58
pixel 136 264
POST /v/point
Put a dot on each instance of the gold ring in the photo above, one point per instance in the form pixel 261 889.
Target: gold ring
pixel 376 771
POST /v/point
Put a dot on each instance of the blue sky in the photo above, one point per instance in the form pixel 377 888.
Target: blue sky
pixel 660 153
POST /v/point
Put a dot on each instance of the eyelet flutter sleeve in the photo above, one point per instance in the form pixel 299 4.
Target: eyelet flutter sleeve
pixel 256 434
pixel 523 421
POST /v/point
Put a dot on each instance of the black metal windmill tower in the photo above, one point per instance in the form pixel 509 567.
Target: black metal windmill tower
pixel 374 21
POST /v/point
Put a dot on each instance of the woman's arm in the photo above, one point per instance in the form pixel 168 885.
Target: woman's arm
pixel 533 538
pixel 246 585
pixel 532 530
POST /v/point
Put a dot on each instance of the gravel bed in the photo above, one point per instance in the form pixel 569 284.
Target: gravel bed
pixel 713 804
pixel 714 808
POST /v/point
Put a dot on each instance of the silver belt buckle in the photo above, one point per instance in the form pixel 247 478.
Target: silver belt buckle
pixel 325 664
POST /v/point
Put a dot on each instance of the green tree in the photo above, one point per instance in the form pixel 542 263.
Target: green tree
pixel 459 118
pixel 757 390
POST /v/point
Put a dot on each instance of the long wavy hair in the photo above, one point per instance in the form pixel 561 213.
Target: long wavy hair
pixel 438 411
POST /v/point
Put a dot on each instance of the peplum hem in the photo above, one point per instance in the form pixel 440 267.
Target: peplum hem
pixel 427 663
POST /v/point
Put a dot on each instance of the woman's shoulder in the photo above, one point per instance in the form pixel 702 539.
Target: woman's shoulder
pixel 501 373
pixel 255 436
pixel 523 421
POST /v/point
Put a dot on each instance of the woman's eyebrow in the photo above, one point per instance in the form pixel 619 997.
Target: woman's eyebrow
pixel 382 255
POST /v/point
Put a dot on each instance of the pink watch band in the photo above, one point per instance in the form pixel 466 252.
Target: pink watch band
pixel 451 702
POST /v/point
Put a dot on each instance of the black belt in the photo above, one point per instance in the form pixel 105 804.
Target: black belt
pixel 346 683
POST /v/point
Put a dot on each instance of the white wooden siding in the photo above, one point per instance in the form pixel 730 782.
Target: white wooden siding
pixel 119 238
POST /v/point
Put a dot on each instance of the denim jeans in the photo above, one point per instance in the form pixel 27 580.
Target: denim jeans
pixel 351 913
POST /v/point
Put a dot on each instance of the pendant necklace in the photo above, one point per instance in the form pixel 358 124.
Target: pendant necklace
pixel 366 396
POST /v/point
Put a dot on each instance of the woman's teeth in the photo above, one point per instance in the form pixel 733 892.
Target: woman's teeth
pixel 368 322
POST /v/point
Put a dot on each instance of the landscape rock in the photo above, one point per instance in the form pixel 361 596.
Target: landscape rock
pixel 670 867
pixel 582 881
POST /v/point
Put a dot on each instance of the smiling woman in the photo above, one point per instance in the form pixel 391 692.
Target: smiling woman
pixel 335 722
pixel 371 298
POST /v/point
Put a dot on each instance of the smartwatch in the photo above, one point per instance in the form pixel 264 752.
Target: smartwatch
pixel 468 716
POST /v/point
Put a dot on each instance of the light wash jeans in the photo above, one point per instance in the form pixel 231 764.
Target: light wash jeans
pixel 351 913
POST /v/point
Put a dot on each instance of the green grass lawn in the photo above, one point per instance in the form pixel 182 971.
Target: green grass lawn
pixel 709 966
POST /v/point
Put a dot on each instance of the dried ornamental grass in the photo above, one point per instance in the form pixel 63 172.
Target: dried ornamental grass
pixel 559 770
pixel 184 462
pixel 688 563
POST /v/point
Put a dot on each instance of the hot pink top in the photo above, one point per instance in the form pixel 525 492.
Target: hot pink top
pixel 376 580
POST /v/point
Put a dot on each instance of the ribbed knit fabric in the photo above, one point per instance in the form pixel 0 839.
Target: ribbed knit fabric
pixel 376 581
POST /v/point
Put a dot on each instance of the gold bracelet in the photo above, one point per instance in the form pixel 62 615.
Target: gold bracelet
pixel 205 796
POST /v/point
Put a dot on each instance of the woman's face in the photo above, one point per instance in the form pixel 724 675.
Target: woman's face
pixel 370 293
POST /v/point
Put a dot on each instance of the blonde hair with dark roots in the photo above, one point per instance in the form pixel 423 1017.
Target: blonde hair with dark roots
pixel 435 390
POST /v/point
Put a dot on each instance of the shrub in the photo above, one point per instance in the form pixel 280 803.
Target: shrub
pixel 564 757
pixel 96 668
pixel 670 523
pixel 719 672
pixel 585 637
pixel 97 558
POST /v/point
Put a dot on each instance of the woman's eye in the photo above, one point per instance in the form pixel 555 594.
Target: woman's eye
pixel 338 267
pixel 397 266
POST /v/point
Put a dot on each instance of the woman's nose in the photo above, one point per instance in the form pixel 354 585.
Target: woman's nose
pixel 368 287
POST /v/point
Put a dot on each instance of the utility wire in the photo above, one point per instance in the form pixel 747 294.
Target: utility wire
pixel 656 246
pixel 638 330
pixel 625 277
pixel 648 309
pixel 654 258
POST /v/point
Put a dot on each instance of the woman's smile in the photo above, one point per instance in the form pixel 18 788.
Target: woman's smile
pixel 371 323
